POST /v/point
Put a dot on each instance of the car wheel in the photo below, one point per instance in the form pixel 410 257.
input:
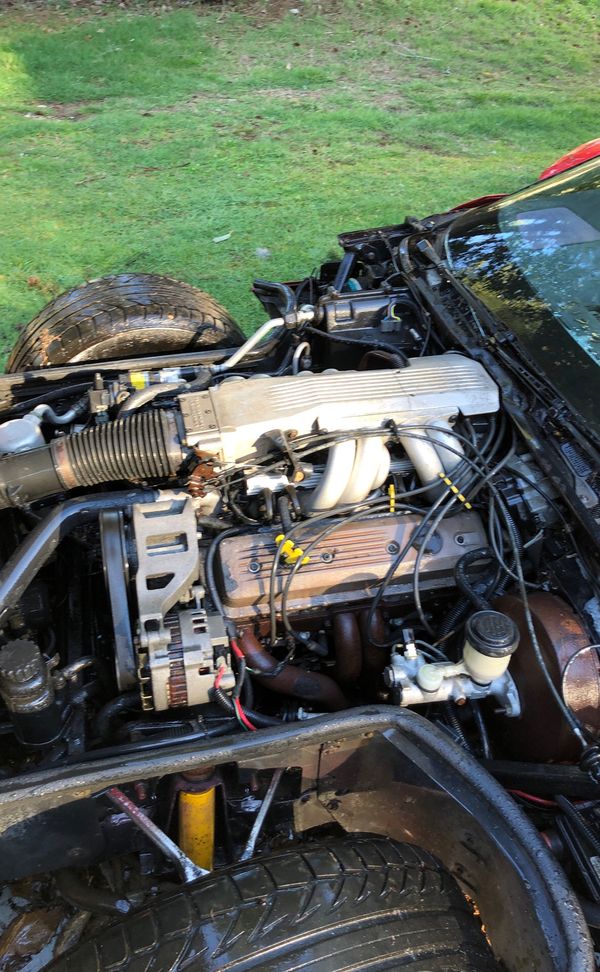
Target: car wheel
pixel 357 903
pixel 128 315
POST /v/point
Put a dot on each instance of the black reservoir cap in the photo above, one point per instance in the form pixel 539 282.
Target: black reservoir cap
pixel 492 633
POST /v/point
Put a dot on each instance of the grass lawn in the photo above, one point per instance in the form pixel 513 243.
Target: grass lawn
pixel 131 138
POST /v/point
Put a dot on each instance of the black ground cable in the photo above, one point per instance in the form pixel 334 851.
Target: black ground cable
pixel 247 695
pixel 209 575
pixel 469 559
pixel 256 718
pixel 486 749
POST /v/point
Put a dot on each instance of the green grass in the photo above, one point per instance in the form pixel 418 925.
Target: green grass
pixel 129 140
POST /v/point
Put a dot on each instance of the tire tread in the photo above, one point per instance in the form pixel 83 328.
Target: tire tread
pixel 271 912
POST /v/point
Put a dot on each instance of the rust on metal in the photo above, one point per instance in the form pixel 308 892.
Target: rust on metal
pixel 574 668
pixel 348 647
pixel 202 473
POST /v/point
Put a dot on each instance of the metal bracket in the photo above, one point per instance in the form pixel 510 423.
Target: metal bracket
pixel 166 537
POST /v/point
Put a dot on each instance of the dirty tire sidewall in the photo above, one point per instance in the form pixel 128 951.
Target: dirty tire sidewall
pixel 123 316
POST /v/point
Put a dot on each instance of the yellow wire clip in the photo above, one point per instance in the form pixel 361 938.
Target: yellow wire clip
pixel 454 489
pixel 290 552
pixel 392 496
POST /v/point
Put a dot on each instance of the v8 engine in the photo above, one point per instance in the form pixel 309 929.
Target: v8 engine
pixel 335 512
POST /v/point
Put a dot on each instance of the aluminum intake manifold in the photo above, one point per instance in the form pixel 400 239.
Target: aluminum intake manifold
pixel 239 419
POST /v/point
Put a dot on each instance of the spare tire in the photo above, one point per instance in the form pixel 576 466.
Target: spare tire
pixel 357 903
pixel 125 316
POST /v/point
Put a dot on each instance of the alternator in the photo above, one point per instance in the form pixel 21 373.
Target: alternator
pixel 182 671
pixel 176 650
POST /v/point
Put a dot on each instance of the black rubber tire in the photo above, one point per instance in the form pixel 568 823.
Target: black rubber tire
pixel 360 903
pixel 125 316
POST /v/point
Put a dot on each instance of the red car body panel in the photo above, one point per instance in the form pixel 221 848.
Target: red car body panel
pixel 480 201
pixel 583 153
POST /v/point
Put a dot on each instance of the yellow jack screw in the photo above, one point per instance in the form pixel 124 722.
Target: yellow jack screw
pixel 197 826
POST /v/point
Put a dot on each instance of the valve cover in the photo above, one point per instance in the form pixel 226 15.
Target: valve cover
pixel 346 568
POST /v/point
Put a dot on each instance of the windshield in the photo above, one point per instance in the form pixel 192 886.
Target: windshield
pixel 534 260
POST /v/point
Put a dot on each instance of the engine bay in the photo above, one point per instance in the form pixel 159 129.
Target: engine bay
pixel 339 513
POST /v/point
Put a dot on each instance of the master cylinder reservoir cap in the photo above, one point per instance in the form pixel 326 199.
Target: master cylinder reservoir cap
pixel 491 638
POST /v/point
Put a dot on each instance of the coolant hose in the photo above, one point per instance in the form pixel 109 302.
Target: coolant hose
pixel 290 680
pixel 39 545
pixel 139 447
pixel 115 707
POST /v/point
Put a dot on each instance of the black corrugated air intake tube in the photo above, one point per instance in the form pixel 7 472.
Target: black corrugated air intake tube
pixel 140 447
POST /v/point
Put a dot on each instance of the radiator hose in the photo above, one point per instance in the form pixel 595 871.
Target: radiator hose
pixel 137 448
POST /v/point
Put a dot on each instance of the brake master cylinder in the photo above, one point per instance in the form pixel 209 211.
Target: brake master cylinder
pixel 490 640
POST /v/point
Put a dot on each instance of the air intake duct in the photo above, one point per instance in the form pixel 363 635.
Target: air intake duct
pixel 137 448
